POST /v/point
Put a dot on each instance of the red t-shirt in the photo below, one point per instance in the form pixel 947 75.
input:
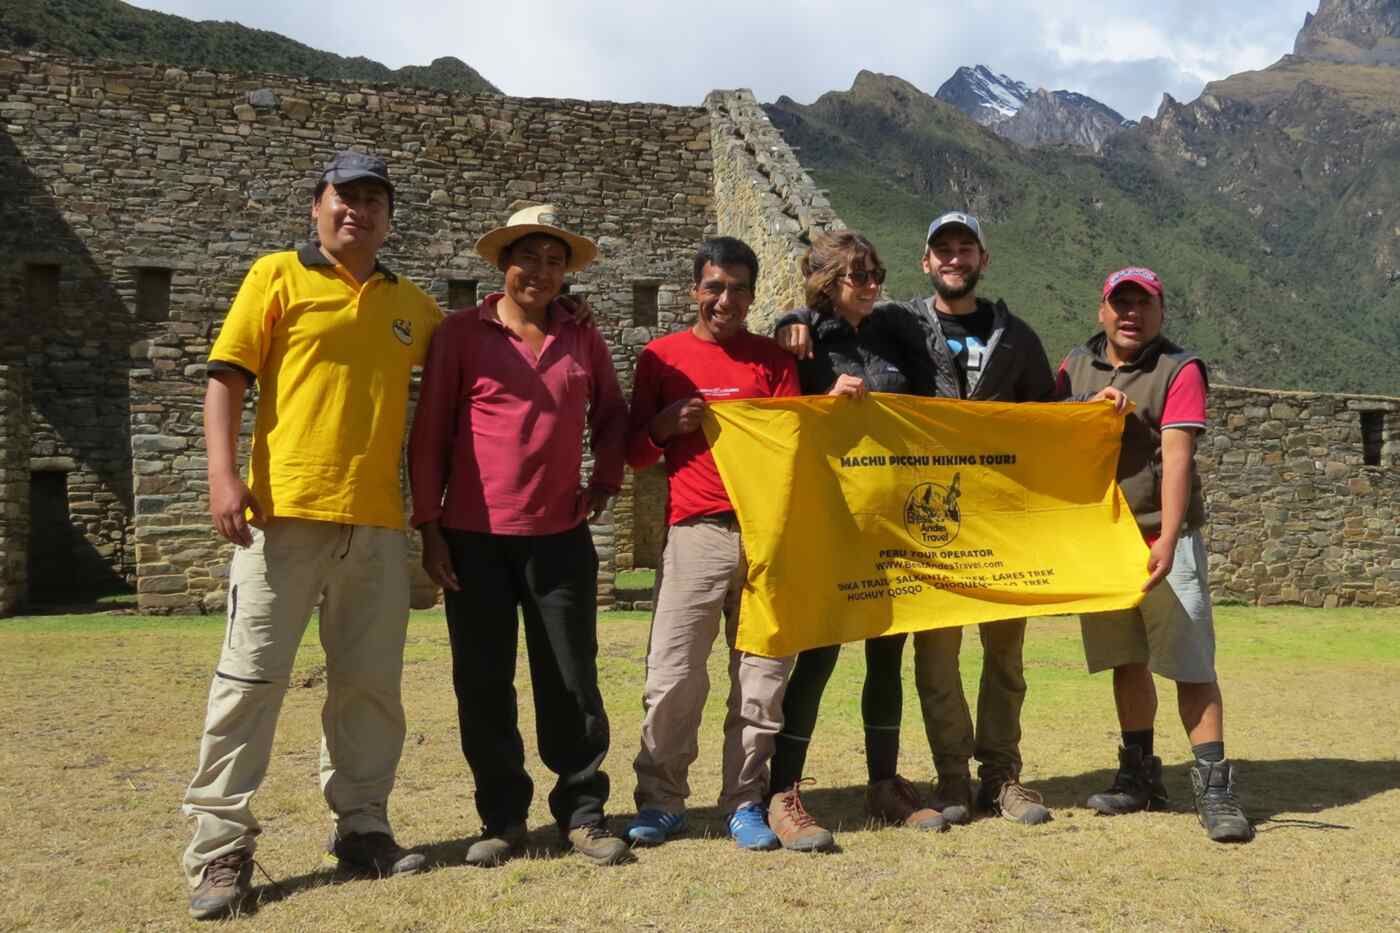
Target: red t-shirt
pixel 683 366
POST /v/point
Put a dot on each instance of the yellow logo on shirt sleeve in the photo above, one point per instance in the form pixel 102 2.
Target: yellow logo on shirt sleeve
pixel 404 331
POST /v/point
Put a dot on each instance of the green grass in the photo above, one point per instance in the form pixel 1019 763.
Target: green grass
pixel 104 712
pixel 635 580
pixel 112 29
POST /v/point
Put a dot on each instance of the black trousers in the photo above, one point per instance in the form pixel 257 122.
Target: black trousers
pixel 552 580
pixel 881 707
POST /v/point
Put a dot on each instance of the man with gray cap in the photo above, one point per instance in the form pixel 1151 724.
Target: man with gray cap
pixel 980 351
pixel 331 337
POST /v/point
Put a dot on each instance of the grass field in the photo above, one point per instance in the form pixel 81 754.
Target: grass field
pixel 102 715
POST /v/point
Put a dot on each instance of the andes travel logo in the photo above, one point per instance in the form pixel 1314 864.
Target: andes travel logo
pixel 404 331
pixel 931 513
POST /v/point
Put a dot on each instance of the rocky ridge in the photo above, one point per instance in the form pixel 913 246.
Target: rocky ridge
pixel 1356 32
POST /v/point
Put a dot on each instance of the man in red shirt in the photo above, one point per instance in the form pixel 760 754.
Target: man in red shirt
pixel 702 567
pixel 1171 633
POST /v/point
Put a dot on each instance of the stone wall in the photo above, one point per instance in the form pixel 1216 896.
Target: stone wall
pixel 137 196
pixel 14 487
pixel 765 197
pixel 152 190
pixel 1295 513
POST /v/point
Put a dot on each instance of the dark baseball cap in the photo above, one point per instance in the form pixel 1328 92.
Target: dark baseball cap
pixel 956 219
pixel 348 166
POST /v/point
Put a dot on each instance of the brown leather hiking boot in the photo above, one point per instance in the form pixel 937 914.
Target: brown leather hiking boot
pixel 952 798
pixel 795 828
pixel 595 842
pixel 894 800
pixel 1013 800
pixel 227 882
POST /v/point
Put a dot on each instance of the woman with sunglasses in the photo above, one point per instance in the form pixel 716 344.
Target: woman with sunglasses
pixel 857 348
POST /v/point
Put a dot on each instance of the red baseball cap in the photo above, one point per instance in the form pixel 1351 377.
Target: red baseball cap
pixel 1138 275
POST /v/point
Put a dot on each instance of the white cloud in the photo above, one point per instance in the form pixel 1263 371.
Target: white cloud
pixel 1124 52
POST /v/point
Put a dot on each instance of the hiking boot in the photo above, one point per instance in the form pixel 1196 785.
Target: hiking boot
pixel 652 827
pixel 1013 800
pixel 952 798
pixel 227 881
pixel 600 845
pixel 496 846
pixel 748 826
pixel 375 854
pixel 1216 804
pixel 1137 785
pixel 794 826
pixel 894 800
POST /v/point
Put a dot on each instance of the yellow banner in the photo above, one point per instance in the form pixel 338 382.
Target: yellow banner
pixel 897 514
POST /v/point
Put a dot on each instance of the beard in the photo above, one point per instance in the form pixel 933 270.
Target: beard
pixel 948 292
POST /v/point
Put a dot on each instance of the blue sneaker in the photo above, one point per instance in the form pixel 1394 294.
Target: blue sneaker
pixel 749 828
pixel 653 827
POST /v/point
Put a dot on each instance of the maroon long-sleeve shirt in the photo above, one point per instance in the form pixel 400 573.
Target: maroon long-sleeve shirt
pixel 497 442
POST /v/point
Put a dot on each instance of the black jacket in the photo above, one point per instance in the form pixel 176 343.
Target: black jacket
pixel 1016 370
pixel 887 351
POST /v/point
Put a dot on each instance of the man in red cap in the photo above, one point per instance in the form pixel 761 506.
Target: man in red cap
pixel 1171 632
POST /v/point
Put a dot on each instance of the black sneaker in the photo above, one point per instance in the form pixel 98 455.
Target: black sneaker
pixel 1137 785
pixel 227 882
pixel 375 854
pixel 1216 803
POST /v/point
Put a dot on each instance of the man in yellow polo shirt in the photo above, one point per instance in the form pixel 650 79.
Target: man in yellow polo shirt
pixel 331 337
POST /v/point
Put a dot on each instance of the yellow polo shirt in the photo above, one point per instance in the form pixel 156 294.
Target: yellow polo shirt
pixel 332 359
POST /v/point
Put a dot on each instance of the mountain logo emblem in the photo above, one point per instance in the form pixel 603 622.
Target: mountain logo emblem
pixel 931 513
pixel 404 331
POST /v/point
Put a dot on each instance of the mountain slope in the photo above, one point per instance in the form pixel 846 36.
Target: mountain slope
pixel 1358 32
pixel 1244 291
pixel 111 29
pixel 1049 117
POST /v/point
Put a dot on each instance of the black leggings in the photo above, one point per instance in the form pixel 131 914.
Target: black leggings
pixel 881 703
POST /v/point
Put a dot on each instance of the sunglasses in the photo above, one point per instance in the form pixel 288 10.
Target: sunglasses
pixel 863 278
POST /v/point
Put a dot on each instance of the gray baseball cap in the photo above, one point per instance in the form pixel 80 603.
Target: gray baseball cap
pixel 349 166
pixel 956 219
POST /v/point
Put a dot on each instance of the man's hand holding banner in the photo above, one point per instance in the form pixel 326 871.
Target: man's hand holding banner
pixel 896 514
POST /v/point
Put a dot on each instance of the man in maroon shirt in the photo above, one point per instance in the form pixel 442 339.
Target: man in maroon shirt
pixel 702 567
pixel 495 460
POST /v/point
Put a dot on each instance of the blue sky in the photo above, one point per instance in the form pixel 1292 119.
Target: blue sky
pixel 1125 53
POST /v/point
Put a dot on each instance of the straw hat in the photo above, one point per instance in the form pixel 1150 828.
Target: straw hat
pixel 538 218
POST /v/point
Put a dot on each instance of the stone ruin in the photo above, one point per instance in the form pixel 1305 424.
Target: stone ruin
pixel 136 196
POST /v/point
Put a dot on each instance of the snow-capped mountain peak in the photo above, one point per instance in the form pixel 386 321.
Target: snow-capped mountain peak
pixel 1013 109
pixel 984 95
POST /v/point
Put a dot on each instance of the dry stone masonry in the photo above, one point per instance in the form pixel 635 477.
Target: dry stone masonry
pixel 136 197
pixel 1301 493
pixel 765 197
pixel 14 488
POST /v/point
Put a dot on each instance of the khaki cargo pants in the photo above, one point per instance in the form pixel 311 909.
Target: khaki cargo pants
pixel 273 588
pixel 996 743
pixel 701 576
